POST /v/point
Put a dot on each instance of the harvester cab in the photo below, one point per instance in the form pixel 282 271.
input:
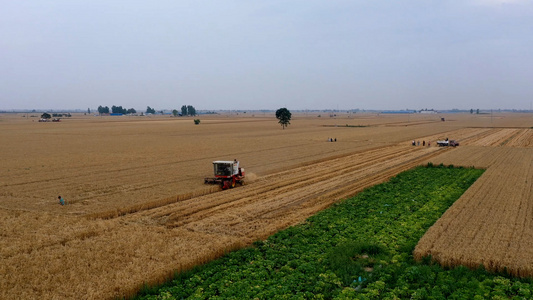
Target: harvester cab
pixel 225 169
pixel 227 174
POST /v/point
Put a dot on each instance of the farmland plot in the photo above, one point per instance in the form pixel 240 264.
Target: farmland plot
pixel 138 209
pixel 490 224
pixel 142 245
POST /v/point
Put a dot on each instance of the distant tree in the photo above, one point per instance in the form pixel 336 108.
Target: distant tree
pixel 116 109
pixel 471 111
pixel 477 111
pixel 191 111
pixel 46 116
pixel 89 111
pixel 103 110
pixel 175 112
pixel 131 111
pixel 184 110
pixel 150 110
pixel 284 117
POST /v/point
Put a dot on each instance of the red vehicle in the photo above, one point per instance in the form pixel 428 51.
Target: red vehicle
pixel 227 174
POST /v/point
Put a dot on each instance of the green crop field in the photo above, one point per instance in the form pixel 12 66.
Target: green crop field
pixel 360 248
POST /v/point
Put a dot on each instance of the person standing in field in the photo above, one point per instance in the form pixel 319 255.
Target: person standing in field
pixel 61 200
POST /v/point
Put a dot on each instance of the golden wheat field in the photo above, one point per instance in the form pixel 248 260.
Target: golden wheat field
pixel 138 209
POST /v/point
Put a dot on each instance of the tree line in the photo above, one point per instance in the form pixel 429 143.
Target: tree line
pixel 116 110
pixel 186 110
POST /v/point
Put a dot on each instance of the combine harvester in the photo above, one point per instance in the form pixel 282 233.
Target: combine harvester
pixel 227 174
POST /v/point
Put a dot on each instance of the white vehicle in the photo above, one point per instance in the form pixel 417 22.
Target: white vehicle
pixel 446 142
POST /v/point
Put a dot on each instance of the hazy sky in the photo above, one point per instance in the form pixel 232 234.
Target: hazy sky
pixel 308 54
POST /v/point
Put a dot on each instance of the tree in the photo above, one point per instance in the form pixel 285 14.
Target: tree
pixel 150 110
pixel 284 117
pixel 103 110
pixel 131 111
pixel 471 111
pixel 477 111
pixel 184 110
pixel 191 111
pixel 175 112
pixel 117 109
pixel 46 116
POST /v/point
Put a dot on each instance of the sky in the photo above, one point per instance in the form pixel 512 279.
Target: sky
pixel 254 55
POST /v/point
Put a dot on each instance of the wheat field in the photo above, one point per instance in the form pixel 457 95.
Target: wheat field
pixel 138 209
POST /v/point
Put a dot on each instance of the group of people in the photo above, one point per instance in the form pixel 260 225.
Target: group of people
pixel 418 143
pixel 332 140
